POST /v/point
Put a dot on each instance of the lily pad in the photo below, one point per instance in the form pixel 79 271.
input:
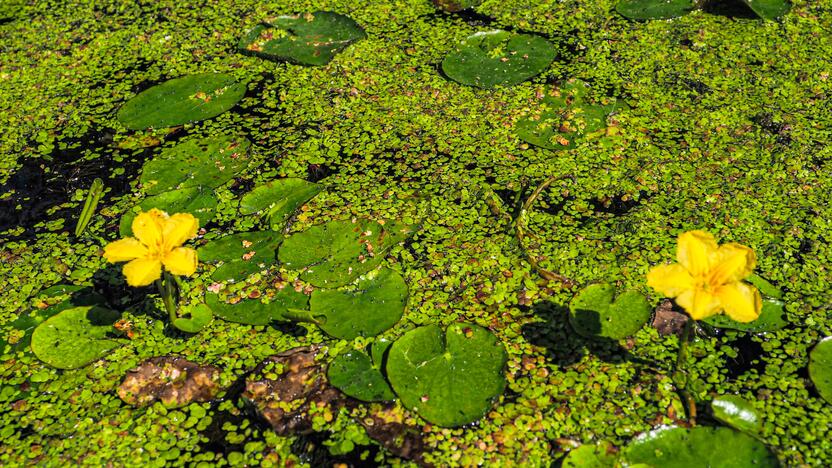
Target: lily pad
pixel 771 318
pixel 254 311
pixel 643 10
pixel 360 377
pixel 374 304
pixel 596 312
pixel 240 255
pixel 336 253
pixel 565 117
pixel 75 337
pixel 700 446
pixel 199 317
pixel 769 9
pixel 208 162
pixel 306 39
pixel 601 455
pixel 75 296
pixel 198 201
pixel 182 100
pixel 820 368
pixel 765 287
pixel 738 413
pixel 491 58
pixel 279 199
pixel 451 378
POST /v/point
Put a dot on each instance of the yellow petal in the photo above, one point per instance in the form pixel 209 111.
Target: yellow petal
pixel 181 261
pixel 179 228
pixel 123 250
pixel 142 271
pixel 698 303
pixel 670 280
pixel 740 301
pixel 147 227
pixel 696 251
pixel 734 262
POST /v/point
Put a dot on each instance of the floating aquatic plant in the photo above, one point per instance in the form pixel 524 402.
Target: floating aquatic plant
pixel 642 10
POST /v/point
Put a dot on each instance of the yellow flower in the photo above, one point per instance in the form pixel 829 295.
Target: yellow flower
pixel 157 243
pixel 708 278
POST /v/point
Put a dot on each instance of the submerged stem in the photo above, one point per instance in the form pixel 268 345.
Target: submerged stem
pixel 680 375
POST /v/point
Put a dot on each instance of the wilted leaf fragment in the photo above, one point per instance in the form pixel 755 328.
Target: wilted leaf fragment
pixel 182 100
pixel 738 413
pixel 76 337
pixel 279 199
pixel 596 312
pixel 240 255
pixel 449 378
pixel 171 380
pixel 820 368
pixel 642 10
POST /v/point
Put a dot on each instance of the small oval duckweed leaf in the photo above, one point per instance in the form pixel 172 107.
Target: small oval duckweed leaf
pixel 374 304
pixel 207 162
pixel 772 317
pixel 200 317
pixel 452 6
pixel 336 253
pixel 820 368
pixel 182 100
pixel 306 39
pixel 75 337
pixel 355 374
pixel 769 9
pixel 596 312
pixel 451 378
pixel 255 312
pixel 491 58
pixel 279 198
pixel 700 446
pixel 198 201
pixel 601 455
pixel 240 255
pixel 642 10
pixel 738 413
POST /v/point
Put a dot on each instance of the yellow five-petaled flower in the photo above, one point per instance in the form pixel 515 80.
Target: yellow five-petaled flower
pixel 708 278
pixel 157 243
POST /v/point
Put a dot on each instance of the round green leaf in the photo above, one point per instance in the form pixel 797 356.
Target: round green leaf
pixel 602 455
pixel 306 39
pixel 738 413
pixel 491 58
pixel 75 337
pixel 654 9
pixel 198 201
pixel 200 317
pixel 374 304
pixel 207 162
pixel 769 9
pixel 279 198
pixel 255 312
pixel 77 296
pixel 596 312
pixel 697 447
pixel 449 379
pixel 182 100
pixel 820 368
pixel 772 317
pixel 336 253
pixel 355 374
pixel 240 255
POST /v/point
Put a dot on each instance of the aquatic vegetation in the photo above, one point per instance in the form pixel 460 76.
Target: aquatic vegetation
pixel 278 199
pixel 698 446
pixel 595 311
pixel 75 337
pixel 199 202
pixel 253 311
pixel 360 375
pixel 820 368
pixel 738 413
pixel 239 255
pixel 90 205
pixel 666 9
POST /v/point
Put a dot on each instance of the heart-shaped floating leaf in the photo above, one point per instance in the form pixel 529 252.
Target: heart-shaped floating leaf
pixel 700 446
pixel 738 413
pixel 72 295
pixel 491 58
pixel 602 455
pixel 75 337
pixel 182 100
pixel 241 254
pixel 359 376
pixel 769 9
pixel 307 39
pixel 279 199
pixel 772 317
pixel 374 304
pixel 199 317
pixel 449 379
pixel 820 368
pixel 453 6
pixel 654 9
pixel 336 253
pixel 565 117
pixel 208 162
pixel 255 312
pixel 198 201
pixel 596 312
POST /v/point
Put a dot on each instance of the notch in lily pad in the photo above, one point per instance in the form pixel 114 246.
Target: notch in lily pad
pixel 198 201
pixel 360 376
pixel 182 100
pixel 279 199
pixel 595 311
pixel 449 378
pixel 498 58
pixel 305 39
pixel 239 255
pixel 256 312
pixel 76 337
pixel 820 368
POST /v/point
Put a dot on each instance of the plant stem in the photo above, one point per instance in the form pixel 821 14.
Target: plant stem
pixel 680 375
pixel 167 289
